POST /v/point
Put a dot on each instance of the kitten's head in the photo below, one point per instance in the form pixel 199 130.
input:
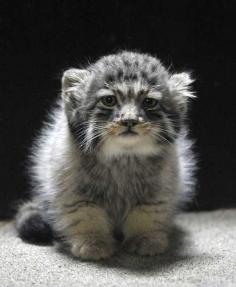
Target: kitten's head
pixel 126 103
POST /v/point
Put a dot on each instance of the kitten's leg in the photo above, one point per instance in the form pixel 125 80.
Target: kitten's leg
pixel 146 229
pixel 89 233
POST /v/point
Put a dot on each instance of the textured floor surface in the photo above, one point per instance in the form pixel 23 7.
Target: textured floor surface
pixel 203 253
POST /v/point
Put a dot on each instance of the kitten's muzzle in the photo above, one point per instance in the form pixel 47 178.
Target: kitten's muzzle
pixel 129 124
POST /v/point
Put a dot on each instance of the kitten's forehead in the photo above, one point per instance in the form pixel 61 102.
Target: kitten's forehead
pixel 131 67
pixel 129 73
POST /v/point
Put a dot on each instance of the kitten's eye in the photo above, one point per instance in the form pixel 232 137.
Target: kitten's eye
pixel 109 101
pixel 150 103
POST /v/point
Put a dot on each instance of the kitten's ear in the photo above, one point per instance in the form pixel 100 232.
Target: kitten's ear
pixel 72 77
pixel 180 89
pixel 72 89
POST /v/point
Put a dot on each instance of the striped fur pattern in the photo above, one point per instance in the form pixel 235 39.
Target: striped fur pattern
pixel 112 159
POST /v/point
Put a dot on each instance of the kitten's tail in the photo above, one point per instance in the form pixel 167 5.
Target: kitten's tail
pixel 32 226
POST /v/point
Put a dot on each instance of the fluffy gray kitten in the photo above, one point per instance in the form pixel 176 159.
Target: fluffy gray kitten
pixel 114 159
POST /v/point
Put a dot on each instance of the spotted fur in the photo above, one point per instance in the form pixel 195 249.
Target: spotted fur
pixel 101 170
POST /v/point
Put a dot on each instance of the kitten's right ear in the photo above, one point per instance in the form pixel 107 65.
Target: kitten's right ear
pixel 72 77
pixel 72 83
pixel 72 89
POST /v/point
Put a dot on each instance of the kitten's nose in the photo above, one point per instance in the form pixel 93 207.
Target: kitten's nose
pixel 129 123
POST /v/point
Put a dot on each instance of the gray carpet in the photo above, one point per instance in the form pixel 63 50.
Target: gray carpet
pixel 203 253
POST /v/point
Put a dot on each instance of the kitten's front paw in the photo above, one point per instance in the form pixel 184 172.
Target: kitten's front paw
pixel 93 247
pixel 148 244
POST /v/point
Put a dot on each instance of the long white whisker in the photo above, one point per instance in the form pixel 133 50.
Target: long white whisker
pixel 158 136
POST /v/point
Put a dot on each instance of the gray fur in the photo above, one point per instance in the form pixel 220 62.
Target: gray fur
pixel 78 165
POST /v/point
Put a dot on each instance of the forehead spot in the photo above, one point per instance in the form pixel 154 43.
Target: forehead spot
pixel 144 75
pixel 133 76
pixel 120 74
pixel 152 81
pixel 153 68
pixel 109 78
pixel 127 63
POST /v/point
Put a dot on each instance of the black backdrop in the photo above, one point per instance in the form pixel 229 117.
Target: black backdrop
pixel 39 39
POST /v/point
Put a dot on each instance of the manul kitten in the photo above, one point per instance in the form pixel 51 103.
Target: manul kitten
pixel 113 162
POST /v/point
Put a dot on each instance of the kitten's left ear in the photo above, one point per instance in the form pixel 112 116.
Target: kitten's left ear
pixel 180 88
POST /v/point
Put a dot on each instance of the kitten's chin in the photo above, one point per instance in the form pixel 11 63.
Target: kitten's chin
pixel 129 144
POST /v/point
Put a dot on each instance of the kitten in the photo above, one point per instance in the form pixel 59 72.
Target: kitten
pixel 114 159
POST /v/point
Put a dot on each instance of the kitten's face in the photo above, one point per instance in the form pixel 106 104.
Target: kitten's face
pixel 124 104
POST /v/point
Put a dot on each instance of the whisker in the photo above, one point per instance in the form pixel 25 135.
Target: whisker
pixel 159 136
pixel 165 131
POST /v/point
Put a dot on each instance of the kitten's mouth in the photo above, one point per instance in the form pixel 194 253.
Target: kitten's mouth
pixel 129 132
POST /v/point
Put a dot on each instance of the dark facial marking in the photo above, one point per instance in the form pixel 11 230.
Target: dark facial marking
pixel 153 68
pixel 103 113
pixel 153 115
pixel 133 77
pixel 120 74
pixel 78 131
pixel 174 117
pixel 127 63
pixel 126 77
pixel 144 75
pixel 152 81
pixel 109 78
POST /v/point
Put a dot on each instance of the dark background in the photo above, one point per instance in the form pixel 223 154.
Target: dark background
pixel 40 39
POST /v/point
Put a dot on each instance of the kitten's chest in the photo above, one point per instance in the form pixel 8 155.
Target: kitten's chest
pixel 134 182
pixel 119 185
pixel 125 171
pixel 125 179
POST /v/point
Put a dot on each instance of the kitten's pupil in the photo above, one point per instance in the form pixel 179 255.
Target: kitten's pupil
pixel 149 103
pixel 109 101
